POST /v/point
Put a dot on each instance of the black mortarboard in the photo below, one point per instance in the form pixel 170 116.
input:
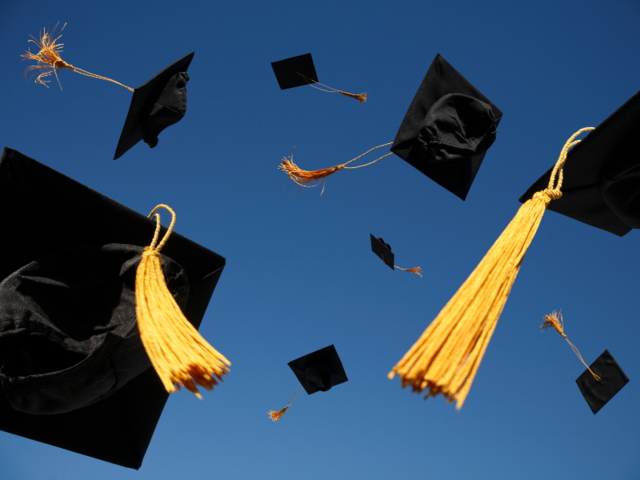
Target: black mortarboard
pixel 156 105
pixel 383 250
pixel 289 72
pixel 320 370
pixel 612 379
pixel 78 220
pixel 602 175
pixel 448 128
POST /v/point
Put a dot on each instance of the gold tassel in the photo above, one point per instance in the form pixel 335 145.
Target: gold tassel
pixel 177 351
pixel 555 321
pixel 304 177
pixel 446 357
pixel 275 416
pixel 361 97
pixel 49 57
pixel 416 270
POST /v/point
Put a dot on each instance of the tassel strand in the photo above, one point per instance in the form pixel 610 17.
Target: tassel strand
pixel 361 97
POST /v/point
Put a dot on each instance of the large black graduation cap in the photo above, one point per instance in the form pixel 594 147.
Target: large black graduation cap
pixel 319 370
pixel 383 250
pixel 598 392
pixel 287 71
pixel 45 215
pixel 156 105
pixel 448 128
pixel 602 175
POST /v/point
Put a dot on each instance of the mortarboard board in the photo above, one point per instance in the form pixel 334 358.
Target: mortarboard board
pixel 382 250
pixel 156 105
pixel 598 392
pixel 318 371
pixel 118 427
pixel 602 175
pixel 445 133
pixel 299 71
pixel 448 128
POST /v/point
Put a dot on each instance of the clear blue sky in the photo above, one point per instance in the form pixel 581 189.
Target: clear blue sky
pixel 300 274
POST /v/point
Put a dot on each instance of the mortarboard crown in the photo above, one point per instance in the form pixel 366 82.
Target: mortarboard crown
pixel 445 133
pixel 602 175
pixel 93 393
pixel 318 371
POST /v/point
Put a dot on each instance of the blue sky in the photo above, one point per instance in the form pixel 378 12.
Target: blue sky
pixel 300 274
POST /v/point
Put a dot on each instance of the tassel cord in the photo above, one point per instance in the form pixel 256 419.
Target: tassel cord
pixel 361 97
pixel 556 321
pixel 415 270
pixel 275 416
pixel 49 57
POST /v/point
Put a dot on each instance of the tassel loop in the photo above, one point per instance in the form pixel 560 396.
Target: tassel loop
pixel 555 321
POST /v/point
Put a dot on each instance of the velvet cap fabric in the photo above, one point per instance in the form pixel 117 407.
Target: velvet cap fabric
pixel 383 250
pixel 287 70
pixel 447 129
pixel 47 212
pixel 320 370
pixel 612 379
pixel 156 105
pixel 68 330
pixel 601 184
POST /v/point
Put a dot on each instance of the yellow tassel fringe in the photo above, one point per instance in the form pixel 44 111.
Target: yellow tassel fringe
pixel 177 351
pixel 446 357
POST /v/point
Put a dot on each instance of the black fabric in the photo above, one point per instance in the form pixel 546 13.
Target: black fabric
pixel 383 250
pixel 169 109
pixel 320 370
pixel 601 184
pixel 287 70
pixel 447 129
pixel 159 103
pixel 68 329
pixel 612 379
pixel 45 211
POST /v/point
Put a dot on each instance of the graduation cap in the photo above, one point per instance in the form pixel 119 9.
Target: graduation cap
pixel 299 71
pixel 597 392
pixel 383 250
pixel 445 133
pixel 318 371
pixel 155 105
pixel 74 331
pixel 446 357
pixel 602 175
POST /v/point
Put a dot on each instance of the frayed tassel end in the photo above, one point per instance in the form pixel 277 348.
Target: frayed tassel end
pixel 553 321
pixel 361 97
pixel 275 416
pixel 416 270
pixel 304 177
pixel 48 57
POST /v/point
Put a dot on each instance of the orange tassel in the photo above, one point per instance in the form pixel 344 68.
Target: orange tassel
pixel 416 270
pixel 275 416
pixel 361 97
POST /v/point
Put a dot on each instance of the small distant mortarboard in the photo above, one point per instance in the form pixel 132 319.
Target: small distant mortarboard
pixel 85 308
pixel 602 379
pixel 611 380
pixel 299 71
pixel 318 371
pixel 602 175
pixel 155 105
pixel 383 250
pixel 445 133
